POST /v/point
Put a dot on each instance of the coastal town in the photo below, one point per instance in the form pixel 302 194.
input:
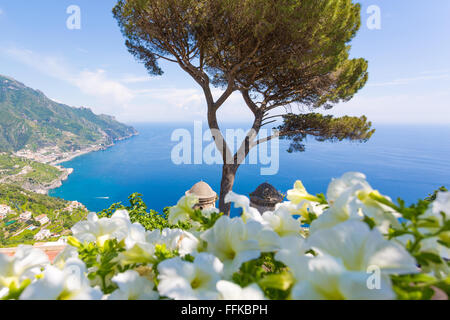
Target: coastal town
pixel 35 226
pixel 33 175
pixel 53 155
pixel 27 214
pixel 43 226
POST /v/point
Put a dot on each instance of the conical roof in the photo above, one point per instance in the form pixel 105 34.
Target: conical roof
pixel 266 193
pixel 202 190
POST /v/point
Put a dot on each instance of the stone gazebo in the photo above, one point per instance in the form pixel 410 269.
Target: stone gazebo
pixel 206 195
pixel 265 198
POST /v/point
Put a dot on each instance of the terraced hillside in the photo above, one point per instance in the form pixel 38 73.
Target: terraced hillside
pixel 27 217
pixel 29 120
pixel 31 175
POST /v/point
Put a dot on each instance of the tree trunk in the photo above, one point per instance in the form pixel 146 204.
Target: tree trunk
pixel 228 176
pixel 229 169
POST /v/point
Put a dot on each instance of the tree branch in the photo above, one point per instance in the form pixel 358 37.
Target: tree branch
pixel 252 106
pixel 228 92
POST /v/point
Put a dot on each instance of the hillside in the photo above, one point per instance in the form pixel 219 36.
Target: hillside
pixel 27 217
pixel 31 175
pixel 31 121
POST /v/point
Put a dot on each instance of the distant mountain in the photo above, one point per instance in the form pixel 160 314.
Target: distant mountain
pixel 29 120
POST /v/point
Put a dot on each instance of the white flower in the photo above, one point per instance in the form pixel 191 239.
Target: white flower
pixel 99 230
pixel 359 248
pixel 348 181
pixel 136 234
pixel 282 222
pixel 182 280
pixel 258 228
pixel 175 239
pixel 133 287
pixel 343 209
pixel 350 198
pixel 248 213
pixel 268 240
pixel 26 264
pixel 231 291
pixel 348 253
pixel 232 242
pixel 291 249
pixel 209 211
pixel 438 207
pixel 141 244
pixel 302 209
pixel 326 278
pixel 138 249
pixel 140 253
pixel 299 193
pixel 62 257
pixel 183 210
pixel 70 283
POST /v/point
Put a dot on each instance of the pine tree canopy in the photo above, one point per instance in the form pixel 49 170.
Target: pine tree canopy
pixel 278 54
pixel 279 51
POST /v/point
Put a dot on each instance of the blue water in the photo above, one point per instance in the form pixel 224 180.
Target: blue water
pixel 401 161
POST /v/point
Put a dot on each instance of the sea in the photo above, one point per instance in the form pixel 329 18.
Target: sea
pixel 401 161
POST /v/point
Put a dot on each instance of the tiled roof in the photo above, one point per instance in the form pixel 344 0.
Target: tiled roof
pixel 51 250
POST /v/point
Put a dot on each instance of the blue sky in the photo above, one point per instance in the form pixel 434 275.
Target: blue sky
pixel 409 64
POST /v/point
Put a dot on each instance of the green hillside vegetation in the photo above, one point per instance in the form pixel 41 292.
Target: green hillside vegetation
pixel 30 175
pixel 13 231
pixel 30 120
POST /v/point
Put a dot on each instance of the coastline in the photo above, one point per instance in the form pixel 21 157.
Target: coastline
pixel 70 156
pixel 55 159
pixel 65 157
pixel 66 172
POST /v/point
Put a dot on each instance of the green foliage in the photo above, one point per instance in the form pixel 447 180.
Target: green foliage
pixel 15 292
pixel 102 260
pixel 151 220
pixel 433 196
pixel 29 119
pixel 237 41
pixel 270 274
pixel 138 211
pixel 21 200
pixel 417 228
pixel 416 286
pixel 324 128
pixel 203 221
pixel 27 173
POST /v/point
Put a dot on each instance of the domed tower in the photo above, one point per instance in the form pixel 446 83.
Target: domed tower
pixel 265 198
pixel 206 195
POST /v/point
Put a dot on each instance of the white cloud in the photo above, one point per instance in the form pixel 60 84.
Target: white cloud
pixel 82 50
pixel 56 100
pixel 91 82
pixel 184 104
pixel 96 83
pixel 406 81
pixel 136 79
pixel 414 108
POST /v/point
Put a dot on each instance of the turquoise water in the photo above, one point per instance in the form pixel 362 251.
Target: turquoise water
pixel 401 161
